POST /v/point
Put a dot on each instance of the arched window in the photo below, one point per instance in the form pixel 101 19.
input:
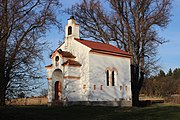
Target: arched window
pixel 69 30
pixel 113 78
pixel 107 77
pixel 57 60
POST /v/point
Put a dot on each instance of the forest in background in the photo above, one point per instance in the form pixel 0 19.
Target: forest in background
pixel 163 85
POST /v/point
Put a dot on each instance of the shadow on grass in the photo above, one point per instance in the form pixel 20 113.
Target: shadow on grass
pixel 156 112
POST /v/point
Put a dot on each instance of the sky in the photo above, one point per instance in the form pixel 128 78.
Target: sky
pixel 169 53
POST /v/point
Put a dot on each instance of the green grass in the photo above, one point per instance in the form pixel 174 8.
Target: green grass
pixel 155 112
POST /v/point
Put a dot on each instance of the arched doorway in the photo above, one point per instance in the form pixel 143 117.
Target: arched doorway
pixel 57 84
pixel 57 89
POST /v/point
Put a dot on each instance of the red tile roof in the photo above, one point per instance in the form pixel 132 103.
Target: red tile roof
pixel 63 53
pixel 66 54
pixel 49 65
pixel 72 63
pixel 102 47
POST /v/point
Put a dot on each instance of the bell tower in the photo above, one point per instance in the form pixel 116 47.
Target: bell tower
pixel 71 31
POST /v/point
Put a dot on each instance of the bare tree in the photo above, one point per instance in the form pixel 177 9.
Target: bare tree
pixel 130 25
pixel 44 92
pixel 22 25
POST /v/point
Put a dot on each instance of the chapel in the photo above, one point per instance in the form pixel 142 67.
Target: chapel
pixel 88 73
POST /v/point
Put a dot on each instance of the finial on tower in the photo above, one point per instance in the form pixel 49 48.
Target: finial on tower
pixel 71 17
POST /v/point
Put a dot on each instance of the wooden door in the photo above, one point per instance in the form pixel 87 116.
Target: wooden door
pixel 57 90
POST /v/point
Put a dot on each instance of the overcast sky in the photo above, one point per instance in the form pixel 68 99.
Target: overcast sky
pixel 169 53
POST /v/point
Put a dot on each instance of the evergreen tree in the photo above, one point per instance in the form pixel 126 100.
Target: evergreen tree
pixel 176 73
pixel 169 72
pixel 21 95
pixel 161 73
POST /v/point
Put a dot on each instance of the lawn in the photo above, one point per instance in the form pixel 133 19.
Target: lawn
pixel 155 112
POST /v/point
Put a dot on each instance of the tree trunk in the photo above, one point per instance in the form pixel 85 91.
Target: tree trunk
pixel 2 77
pixel 2 98
pixel 2 93
pixel 135 97
pixel 136 83
pixel 3 45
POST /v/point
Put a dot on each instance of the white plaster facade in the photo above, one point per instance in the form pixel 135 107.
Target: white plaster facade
pixel 81 66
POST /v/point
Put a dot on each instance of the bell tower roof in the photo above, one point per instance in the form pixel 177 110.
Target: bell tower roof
pixel 71 17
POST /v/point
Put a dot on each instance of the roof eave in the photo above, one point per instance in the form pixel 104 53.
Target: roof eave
pixel 49 66
pixel 111 53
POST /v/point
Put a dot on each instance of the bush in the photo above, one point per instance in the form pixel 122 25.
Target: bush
pixel 161 86
pixel 175 99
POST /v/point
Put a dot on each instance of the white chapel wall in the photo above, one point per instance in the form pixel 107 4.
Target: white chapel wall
pixel 97 70
pixel 81 52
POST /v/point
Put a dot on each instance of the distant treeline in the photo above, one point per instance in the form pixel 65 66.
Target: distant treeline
pixel 163 85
